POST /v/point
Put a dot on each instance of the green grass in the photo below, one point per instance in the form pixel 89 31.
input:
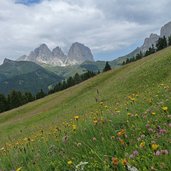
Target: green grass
pixel 40 135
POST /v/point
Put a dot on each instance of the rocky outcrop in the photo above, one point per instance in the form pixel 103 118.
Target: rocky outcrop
pixel 166 30
pixel 78 54
pixel 149 42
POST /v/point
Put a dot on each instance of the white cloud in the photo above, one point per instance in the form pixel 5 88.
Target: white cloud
pixel 102 25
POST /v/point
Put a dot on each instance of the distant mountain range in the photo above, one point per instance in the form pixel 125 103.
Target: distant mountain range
pixel 43 68
pixel 25 76
pixel 148 42
pixel 78 53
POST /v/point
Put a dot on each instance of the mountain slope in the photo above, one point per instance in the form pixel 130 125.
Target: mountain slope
pixel 25 76
pixel 118 113
pixel 133 77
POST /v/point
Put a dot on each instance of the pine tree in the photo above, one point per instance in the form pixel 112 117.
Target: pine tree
pixel 123 63
pixel 107 67
pixel 40 94
pixel 3 103
pixel 127 61
pixel 169 41
pixel 161 43
pixel 77 78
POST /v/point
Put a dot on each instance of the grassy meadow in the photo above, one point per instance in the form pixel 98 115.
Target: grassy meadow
pixel 118 120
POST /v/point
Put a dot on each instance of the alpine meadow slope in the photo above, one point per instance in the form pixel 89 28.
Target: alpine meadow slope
pixel 118 120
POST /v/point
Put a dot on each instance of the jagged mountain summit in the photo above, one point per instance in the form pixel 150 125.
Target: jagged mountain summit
pixel 148 42
pixel 77 54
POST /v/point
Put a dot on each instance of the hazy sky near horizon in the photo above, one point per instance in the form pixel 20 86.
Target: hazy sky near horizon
pixel 111 28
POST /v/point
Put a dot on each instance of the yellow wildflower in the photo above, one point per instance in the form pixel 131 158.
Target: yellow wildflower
pixel 69 162
pixel 124 162
pixel 165 108
pixel 95 121
pixel 154 146
pixel 129 114
pixel 142 144
pixel 74 127
pixel 76 117
pixel 153 113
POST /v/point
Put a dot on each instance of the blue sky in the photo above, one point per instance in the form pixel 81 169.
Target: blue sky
pixel 28 2
pixel 111 28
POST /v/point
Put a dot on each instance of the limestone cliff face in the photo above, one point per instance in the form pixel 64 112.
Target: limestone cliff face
pixel 77 54
pixel 166 30
pixel 148 42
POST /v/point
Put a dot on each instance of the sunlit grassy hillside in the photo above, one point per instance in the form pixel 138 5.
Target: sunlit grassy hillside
pixel 115 121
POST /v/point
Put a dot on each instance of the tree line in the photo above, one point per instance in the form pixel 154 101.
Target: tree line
pixel 162 43
pixel 17 98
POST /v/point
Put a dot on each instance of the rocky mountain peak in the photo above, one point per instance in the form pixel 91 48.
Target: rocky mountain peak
pixel 79 53
pixel 166 30
pixel 58 53
pixel 148 42
pixel 43 52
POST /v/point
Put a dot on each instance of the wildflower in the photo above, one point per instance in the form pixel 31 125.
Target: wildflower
pixel 120 133
pixel 112 137
pixel 164 152
pixel 95 121
pixel 165 108
pixel 142 144
pixel 94 139
pixel 81 166
pixel 157 153
pixel 115 161
pixel 154 146
pixel 135 153
pixel 124 162
pixel 76 117
pixel 19 169
pixel 153 113
pixel 122 141
pixel 70 162
pixel 131 168
pixel 129 114
pixel 74 127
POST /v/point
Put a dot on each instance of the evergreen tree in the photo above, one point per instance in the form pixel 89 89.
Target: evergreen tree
pixel 127 61
pixel 28 97
pixel 161 43
pixel 3 103
pixel 169 40
pixel 70 82
pixel 123 63
pixel 107 67
pixel 40 94
pixel 139 56
pixel 77 78
pixel 15 99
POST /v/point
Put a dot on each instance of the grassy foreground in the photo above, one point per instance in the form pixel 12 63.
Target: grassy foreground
pixel 119 120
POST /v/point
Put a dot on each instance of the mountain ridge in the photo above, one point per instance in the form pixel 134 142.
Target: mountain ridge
pixel 25 76
pixel 77 54
pixel 148 42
